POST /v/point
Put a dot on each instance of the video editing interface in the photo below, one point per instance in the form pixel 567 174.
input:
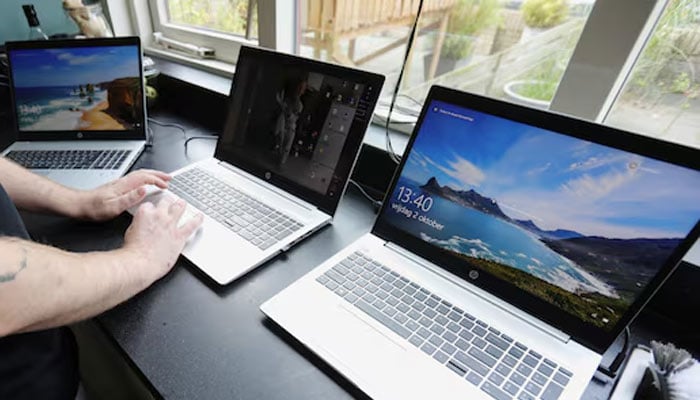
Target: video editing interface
pixel 583 226
pixel 296 122
pixel 78 89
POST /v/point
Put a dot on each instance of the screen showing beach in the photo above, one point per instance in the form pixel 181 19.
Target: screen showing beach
pixel 78 89
pixel 296 121
pixel 583 226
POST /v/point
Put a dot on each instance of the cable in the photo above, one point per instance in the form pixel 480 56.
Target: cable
pixel 390 148
pixel 169 124
pixel 197 137
pixel 418 103
pixel 376 203
pixel 612 370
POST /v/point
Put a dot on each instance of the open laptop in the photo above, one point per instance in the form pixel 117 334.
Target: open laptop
pixel 291 138
pixel 79 109
pixel 513 247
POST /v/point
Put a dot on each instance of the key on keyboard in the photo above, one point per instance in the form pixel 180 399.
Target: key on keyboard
pixel 69 159
pixel 251 219
pixel 482 355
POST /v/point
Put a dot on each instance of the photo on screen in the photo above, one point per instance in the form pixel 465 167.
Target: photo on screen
pixel 582 226
pixel 294 122
pixel 81 88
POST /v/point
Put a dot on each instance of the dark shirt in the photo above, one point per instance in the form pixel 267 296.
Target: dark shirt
pixel 34 365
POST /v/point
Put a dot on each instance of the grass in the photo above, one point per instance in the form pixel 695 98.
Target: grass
pixel 581 305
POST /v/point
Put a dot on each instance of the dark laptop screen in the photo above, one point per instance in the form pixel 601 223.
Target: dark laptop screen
pixel 86 88
pixel 583 226
pixel 298 121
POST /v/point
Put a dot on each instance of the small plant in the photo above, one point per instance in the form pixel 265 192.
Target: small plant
pixel 544 13
pixel 539 90
pixel 467 19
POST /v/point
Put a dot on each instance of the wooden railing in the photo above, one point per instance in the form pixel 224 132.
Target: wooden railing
pixel 333 20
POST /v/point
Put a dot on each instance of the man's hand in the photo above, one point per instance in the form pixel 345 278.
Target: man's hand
pixel 112 199
pixel 155 236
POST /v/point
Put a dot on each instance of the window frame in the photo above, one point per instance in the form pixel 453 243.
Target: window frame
pixel 276 30
pixel 225 45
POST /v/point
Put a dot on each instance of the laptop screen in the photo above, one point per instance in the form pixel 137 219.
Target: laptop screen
pixel 298 122
pixel 582 226
pixel 94 87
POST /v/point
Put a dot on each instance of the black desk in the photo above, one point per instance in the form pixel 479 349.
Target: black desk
pixel 192 339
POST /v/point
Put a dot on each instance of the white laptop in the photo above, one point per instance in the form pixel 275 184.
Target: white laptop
pixel 79 109
pixel 292 135
pixel 513 247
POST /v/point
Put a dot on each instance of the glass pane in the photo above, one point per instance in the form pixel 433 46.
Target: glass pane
pixel 660 96
pixel 228 16
pixel 505 49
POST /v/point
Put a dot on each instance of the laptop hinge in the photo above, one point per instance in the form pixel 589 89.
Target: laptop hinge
pixel 495 301
pixel 268 186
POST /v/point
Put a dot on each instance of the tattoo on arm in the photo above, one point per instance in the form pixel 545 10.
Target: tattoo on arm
pixel 10 276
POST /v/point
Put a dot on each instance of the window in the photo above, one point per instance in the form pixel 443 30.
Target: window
pixel 235 17
pixel 570 56
pixel 504 49
pixel 660 95
pixel 221 25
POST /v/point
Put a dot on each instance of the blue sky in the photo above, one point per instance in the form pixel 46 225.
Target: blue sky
pixel 555 180
pixel 73 66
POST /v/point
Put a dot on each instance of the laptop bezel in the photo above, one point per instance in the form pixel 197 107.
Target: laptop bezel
pixel 595 338
pixel 324 202
pixel 24 135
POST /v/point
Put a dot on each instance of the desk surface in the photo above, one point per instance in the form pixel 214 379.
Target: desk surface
pixel 190 338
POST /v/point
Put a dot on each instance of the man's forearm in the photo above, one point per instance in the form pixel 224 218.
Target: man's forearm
pixel 43 287
pixel 33 192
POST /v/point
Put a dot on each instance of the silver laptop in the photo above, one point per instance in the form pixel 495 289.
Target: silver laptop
pixel 291 138
pixel 513 247
pixel 79 110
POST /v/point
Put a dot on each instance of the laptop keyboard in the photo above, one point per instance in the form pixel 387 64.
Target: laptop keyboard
pixel 252 220
pixel 487 358
pixel 69 159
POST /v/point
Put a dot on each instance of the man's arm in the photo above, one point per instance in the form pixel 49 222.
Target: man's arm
pixel 43 287
pixel 33 192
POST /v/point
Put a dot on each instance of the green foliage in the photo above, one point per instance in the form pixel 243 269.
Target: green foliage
pixel 228 16
pixel 544 13
pixel 539 90
pixel 467 19
pixel 544 79
pixel 589 307
pixel 654 74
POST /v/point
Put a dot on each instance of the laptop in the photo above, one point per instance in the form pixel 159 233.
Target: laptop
pixel 79 109
pixel 513 247
pixel 291 137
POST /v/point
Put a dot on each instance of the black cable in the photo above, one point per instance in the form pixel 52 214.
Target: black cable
pixel 376 203
pixel 197 137
pixel 612 370
pixel 390 148
pixel 169 124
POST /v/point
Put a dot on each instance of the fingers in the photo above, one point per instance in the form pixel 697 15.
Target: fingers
pixel 176 209
pixel 144 208
pixel 130 199
pixel 188 228
pixel 142 177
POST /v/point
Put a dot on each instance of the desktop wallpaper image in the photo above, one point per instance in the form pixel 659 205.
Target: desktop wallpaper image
pixel 583 226
pixel 83 88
